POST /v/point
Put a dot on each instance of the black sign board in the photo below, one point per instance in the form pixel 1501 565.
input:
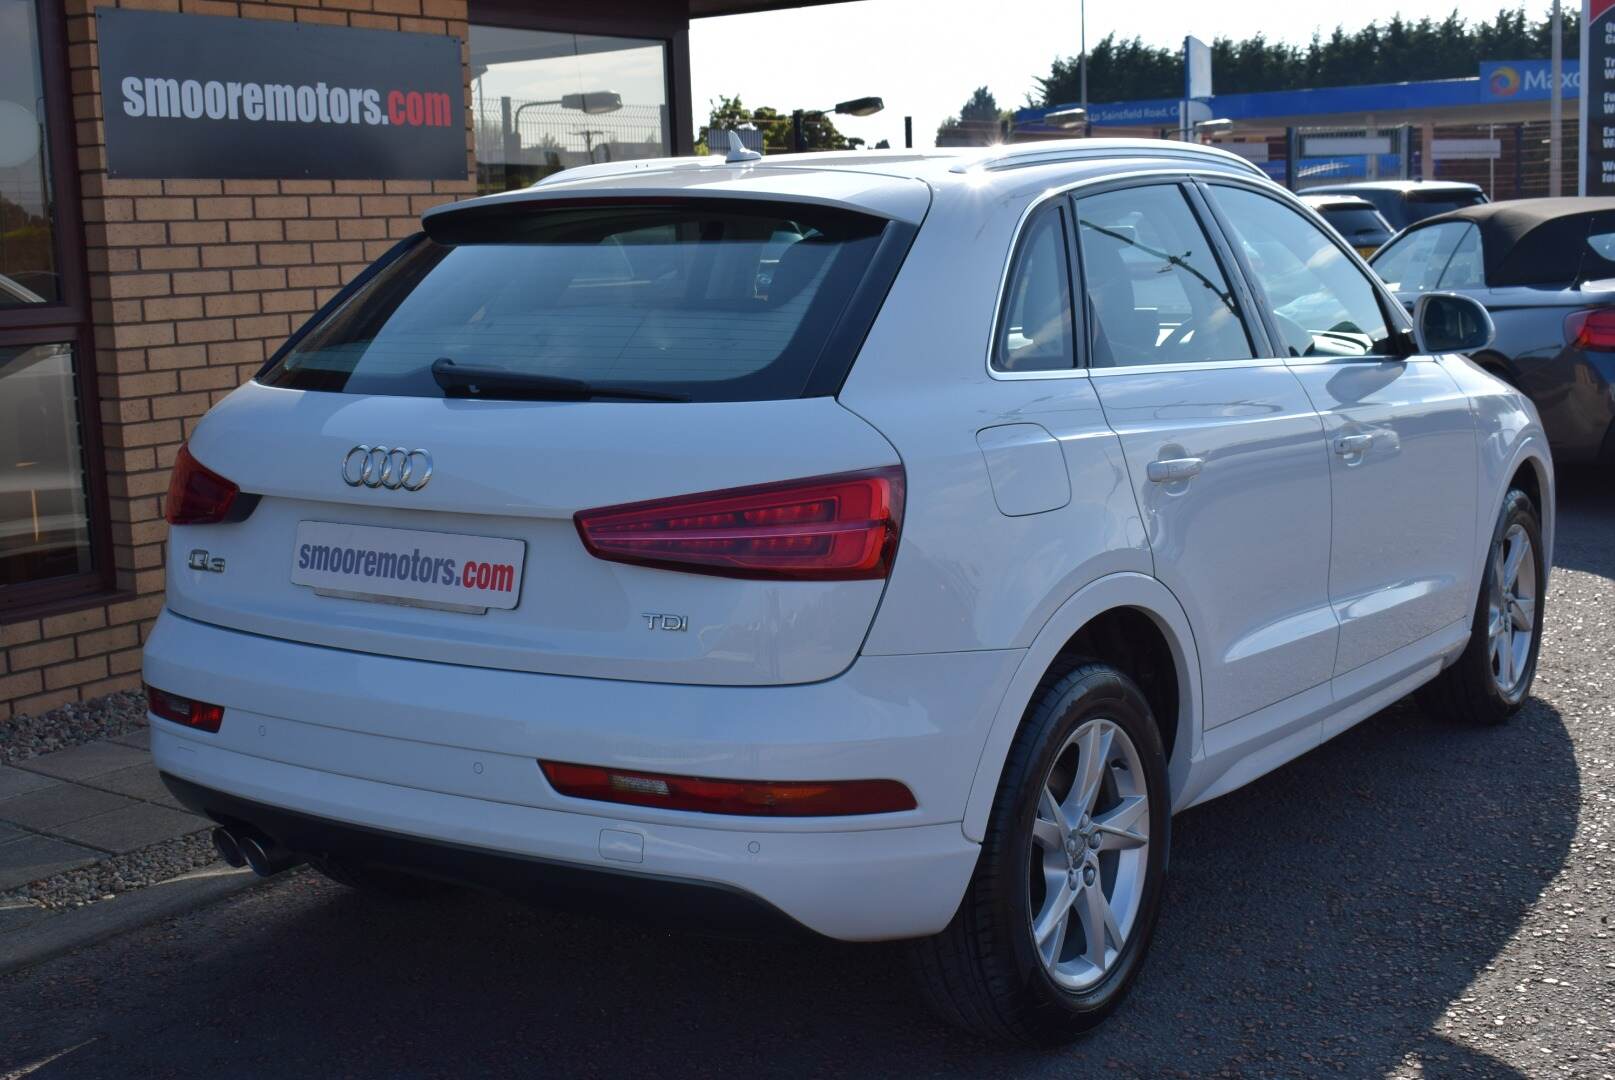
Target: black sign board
pixel 204 96
pixel 1598 97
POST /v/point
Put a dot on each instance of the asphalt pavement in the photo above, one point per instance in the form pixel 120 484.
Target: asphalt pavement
pixel 1412 899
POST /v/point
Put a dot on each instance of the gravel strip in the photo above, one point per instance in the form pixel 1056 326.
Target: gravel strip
pixel 121 873
pixel 24 737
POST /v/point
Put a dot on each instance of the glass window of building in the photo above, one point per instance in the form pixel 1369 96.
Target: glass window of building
pixel 44 517
pixel 546 101
pixel 28 263
pixel 48 535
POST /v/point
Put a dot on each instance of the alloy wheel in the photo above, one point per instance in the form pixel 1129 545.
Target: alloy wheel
pixel 1088 863
pixel 1512 609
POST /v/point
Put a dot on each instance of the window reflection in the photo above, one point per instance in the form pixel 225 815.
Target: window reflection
pixel 44 521
pixel 546 101
pixel 28 271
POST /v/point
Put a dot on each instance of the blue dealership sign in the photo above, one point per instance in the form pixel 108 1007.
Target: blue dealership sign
pixel 1526 80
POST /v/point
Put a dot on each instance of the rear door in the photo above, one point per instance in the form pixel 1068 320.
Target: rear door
pixel 603 357
pixel 1224 450
pixel 1402 453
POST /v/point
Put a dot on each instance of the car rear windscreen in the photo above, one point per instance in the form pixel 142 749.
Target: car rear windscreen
pixel 700 300
pixel 1423 204
pixel 1354 222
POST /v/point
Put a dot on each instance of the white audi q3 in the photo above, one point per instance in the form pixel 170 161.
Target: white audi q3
pixel 881 544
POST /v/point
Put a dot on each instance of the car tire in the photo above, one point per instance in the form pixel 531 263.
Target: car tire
pixel 1492 676
pixel 988 971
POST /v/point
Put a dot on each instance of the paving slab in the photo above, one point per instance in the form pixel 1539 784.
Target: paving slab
pixel 140 740
pixel 20 782
pixel 15 914
pixel 30 858
pixel 34 939
pixel 48 809
pixel 138 782
pixel 129 828
pixel 87 761
pixel 10 832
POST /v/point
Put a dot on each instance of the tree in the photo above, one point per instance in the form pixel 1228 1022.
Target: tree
pixel 977 124
pixel 1396 51
pixel 729 114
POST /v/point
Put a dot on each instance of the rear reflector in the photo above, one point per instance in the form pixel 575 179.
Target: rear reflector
pixel 196 494
pixel 1594 329
pixel 836 528
pixel 785 798
pixel 184 710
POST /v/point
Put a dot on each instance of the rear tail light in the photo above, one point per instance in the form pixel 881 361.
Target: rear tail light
pixel 787 798
pixel 183 710
pixel 1593 329
pixel 837 528
pixel 196 494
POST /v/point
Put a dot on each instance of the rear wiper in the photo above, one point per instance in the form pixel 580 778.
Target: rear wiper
pixel 477 381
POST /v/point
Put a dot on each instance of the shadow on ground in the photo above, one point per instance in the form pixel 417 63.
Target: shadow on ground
pixel 1586 521
pixel 1317 922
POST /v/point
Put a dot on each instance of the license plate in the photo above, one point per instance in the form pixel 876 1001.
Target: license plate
pixel 408 566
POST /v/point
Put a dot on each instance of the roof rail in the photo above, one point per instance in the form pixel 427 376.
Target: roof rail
pixel 1020 155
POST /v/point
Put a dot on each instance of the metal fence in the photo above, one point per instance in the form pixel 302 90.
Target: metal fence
pixel 521 141
pixel 1508 161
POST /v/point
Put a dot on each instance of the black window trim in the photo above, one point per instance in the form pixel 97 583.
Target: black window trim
pixel 1396 320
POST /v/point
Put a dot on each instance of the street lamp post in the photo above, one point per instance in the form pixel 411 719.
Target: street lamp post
pixel 1556 107
pixel 1082 58
pixel 864 106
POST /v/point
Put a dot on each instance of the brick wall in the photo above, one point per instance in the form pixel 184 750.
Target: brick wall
pixel 193 283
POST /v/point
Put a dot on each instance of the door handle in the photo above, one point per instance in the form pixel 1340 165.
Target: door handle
pixel 1353 445
pixel 1173 470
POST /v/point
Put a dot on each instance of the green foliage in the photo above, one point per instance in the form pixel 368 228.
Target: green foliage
pixel 728 113
pixel 1395 51
pixel 977 123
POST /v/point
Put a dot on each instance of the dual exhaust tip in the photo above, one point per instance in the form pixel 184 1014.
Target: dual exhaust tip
pixel 240 847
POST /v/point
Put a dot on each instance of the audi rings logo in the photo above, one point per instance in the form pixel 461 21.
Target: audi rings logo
pixel 390 467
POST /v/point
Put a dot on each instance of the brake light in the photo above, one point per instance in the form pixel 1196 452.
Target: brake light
pixel 196 494
pixel 183 710
pixel 835 528
pixel 788 798
pixel 1592 329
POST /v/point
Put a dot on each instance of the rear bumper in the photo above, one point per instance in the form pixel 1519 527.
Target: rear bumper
pixel 712 908
pixel 447 756
pixel 1576 400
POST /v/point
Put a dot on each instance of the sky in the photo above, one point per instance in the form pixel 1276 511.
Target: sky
pixel 925 57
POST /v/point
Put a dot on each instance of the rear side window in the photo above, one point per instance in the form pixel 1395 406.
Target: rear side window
pixel 1035 333
pixel 1466 269
pixel 706 300
pixel 1416 261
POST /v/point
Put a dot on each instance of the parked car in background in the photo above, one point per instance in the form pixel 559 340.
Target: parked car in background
pixel 1354 218
pixel 1403 202
pixel 1545 270
pixel 877 544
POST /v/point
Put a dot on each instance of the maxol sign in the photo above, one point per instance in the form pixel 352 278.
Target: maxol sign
pixel 203 96
pixel 1526 80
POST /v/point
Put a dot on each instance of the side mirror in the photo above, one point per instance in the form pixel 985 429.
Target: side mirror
pixel 1449 323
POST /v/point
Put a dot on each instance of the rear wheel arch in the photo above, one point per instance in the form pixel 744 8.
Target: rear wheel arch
pixel 1130 621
